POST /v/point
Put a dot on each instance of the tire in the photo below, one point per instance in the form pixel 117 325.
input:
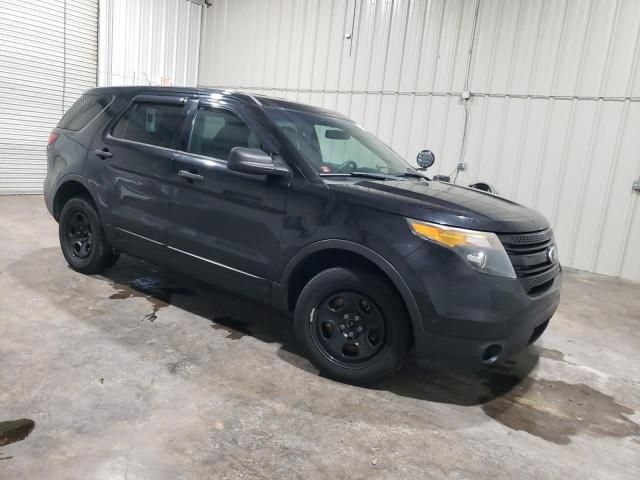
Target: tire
pixel 353 326
pixel 82 237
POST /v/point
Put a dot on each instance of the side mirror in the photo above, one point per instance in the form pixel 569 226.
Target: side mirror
pixel 442 178
pixel 485 187
pixel 425 159
pixel 255 162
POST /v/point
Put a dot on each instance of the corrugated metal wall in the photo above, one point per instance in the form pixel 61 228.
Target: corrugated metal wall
pixel 149 41
pixel 554 112
pixel 48 56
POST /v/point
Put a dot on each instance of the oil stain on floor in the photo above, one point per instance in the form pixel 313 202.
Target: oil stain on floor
pixel 556 411
pixel 154 289
pixel 15 431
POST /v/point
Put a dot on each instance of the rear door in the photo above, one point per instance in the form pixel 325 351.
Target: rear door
pixel 226 225
pixel 131 165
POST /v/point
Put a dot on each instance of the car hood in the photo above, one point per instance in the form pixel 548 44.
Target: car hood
pixel 440 202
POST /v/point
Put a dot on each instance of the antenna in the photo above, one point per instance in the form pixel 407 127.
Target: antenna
pixel 145 76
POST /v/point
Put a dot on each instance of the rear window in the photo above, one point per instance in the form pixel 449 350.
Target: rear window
pixel 86 108
pixel 150 123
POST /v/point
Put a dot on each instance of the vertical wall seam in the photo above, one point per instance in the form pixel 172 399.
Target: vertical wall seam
pixel 385 63
pixel 304 24
pixel 604 210
pixel 371 42
pixel 288 48
pixel 488 81
pixel 342 48
pixel 400 69
pixel 315 42
pixel 434 69
pixel 563 163
pixel 545 135
pixel 616 148
pixel 560 183
pixel 279 29
pixel 584 178
pixel 519 159
pixel 355 57
pixel 427 9
pixel 515 41
pixel 631 202
pixel 450 77
pixel 326 60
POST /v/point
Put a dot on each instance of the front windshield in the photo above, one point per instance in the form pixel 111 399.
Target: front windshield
pixel 334 146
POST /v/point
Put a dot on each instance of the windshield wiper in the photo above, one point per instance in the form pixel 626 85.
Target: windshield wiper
pixel 377 176
pixel 411 173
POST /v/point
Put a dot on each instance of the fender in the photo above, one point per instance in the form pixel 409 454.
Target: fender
pixel 69 177
pixel 279 290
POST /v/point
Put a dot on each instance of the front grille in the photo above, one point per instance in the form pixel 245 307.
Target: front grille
pixel 528 255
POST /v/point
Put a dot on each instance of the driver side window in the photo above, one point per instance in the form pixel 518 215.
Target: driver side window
pixel 216 131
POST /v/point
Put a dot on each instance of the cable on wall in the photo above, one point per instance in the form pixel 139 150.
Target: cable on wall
pixel 466 95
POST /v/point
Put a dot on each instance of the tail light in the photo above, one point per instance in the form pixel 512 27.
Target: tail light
pixel 52 139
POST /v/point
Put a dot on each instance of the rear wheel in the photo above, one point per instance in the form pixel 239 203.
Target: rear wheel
pixel 82 238
pixel 353 325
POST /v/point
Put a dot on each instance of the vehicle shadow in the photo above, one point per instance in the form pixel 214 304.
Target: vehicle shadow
pixel 238 316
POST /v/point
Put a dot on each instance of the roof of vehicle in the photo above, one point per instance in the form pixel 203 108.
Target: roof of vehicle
pixel 247 98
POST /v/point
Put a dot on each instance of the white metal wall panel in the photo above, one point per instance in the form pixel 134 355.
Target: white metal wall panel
pixel 47 58
pixel 554 111
pixel 149 42
pixel 81 45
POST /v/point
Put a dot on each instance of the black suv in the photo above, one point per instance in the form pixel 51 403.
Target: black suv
pixel 301 208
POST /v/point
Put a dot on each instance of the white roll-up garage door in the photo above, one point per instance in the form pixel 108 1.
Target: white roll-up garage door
pixel 48 57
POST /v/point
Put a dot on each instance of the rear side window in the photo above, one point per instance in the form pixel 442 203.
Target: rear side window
pixel 217 131
pixel 86 108
pixel 150 123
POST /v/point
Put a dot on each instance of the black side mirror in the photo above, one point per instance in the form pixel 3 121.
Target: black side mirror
pixel 442 178
pixel 425 159
pixel 485 187
pixel 255 162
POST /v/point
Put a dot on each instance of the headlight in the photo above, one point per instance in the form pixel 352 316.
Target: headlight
pixel 482 250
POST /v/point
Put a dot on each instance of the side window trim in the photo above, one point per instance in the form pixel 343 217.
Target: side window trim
pixel 139 99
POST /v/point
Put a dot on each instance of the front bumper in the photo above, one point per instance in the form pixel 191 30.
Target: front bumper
pixel 470 319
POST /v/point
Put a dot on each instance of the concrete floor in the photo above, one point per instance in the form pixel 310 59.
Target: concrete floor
pixel 142 374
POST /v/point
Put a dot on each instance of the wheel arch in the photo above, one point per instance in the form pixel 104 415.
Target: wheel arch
pixel 324 254
pixel 71 186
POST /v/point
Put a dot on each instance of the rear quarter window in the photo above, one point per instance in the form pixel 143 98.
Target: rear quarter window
pixel 86 108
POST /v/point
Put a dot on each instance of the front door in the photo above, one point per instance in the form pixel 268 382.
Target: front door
pixel 131 164
pixel 226 225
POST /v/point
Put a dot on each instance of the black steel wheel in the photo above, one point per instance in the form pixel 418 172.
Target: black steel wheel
pixel 82 238
pixel 353 325
pixel 79 235
pixel 349 329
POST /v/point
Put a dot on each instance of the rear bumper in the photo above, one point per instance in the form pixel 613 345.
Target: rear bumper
pixel 470 319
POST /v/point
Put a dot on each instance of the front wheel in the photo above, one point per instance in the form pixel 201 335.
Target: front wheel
pixel 353 325
pixel 82 237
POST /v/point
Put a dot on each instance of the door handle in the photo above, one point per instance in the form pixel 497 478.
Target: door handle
pixel 103 153
pixel 190 175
